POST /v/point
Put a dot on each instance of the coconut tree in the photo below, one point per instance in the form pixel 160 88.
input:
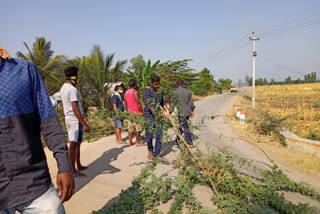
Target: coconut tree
pixel 50 67
pixel 102 72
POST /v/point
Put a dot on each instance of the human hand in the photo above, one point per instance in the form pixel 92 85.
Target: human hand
pixel 86 128
pixel 65 183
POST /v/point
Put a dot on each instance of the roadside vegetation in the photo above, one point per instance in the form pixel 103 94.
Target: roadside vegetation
pixel 233 191
pixel 264 122
pixel 97 70
pixel 298 106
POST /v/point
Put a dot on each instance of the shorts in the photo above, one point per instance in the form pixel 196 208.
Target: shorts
pixel 132 126
pixel 118 124
pixel 75 131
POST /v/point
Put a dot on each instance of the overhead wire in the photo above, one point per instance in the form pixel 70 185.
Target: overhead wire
pixel 287 23
pixel 279 65
pixel 286 29
pixel 233 45
pixel 232 50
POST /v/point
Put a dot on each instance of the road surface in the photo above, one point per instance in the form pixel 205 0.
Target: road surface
pixel 113 166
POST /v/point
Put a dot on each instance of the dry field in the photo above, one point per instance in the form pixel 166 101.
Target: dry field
pixel 300 103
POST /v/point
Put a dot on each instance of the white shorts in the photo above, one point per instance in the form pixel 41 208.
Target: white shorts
pixel 75 131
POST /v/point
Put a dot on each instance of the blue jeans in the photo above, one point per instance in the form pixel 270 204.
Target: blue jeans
pixel 47 203
pixel 158 145
pixel 184 129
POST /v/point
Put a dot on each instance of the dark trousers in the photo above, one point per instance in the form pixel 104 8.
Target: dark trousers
pixel 158 145
pixel 184 129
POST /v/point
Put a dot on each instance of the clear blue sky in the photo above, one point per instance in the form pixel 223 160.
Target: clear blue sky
pixel 169 30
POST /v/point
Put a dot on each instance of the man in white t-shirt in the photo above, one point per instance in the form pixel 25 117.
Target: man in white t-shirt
pixel 73 113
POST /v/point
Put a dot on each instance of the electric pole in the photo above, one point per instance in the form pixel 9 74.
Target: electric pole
pixel 254 54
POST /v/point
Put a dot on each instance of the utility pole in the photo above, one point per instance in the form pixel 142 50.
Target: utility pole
pixel 254 54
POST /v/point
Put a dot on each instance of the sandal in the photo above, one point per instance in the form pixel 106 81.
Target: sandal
pixel 141 144
pixel 79 174
pixel 132 144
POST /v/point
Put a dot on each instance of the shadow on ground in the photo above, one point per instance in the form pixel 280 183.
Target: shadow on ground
pixel 100 166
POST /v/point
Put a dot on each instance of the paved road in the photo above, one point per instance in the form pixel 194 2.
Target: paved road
pixel 113 166
pixel 216 132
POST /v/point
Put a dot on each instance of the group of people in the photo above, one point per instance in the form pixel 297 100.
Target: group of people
pixel 182 99
pixel 26 113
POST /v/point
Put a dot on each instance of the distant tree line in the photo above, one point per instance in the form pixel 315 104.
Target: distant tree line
pixel 308 78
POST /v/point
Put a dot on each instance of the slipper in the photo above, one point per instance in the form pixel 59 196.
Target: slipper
pixel 141 144
pixel 82 168
pixel 121 142
pixel 190 146
pixel 79 174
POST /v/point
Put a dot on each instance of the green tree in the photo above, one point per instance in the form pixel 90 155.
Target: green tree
pixel 100 72
pixel 143 77
pixel 51 68
pixel 136 64
pixel 288 80
pixel 204 85
pixel 225 83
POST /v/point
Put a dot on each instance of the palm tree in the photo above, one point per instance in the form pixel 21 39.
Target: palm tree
pixel 102 72
pixel 50 68
pixel 143 76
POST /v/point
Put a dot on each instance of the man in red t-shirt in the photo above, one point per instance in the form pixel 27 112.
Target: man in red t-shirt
pixel 133 104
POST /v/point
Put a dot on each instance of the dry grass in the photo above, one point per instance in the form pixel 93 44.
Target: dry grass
pixel 269 143
pixel 300 103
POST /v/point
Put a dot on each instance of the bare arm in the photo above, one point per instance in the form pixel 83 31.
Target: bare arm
pixel 78 115
pixel 125 102
pixel 137 98
pixel 115 108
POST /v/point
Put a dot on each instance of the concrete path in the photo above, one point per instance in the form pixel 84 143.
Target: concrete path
pixel 113 166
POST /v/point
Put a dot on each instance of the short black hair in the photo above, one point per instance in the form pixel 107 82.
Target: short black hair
pixel 132 83
pixel 117 87
pixel 70 71
pixel 155 79
pixel 180 83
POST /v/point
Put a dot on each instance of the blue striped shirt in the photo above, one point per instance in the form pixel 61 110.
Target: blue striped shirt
pixel 25 111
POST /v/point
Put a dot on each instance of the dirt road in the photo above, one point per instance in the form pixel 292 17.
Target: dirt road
pixel 112 166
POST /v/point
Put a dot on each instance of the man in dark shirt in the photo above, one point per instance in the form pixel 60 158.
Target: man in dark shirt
pixel 151 98
pixel 25 111
pixel 182 98
pixel 117 105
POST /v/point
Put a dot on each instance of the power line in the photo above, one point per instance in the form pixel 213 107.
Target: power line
pixel 279 65
pixel 287 23
pixel 232 51
pixel 294 27
pixel 233 45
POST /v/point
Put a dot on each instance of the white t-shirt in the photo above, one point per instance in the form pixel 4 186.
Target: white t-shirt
pixel 70 94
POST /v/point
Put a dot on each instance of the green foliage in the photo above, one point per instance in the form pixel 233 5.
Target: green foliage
pixel 204 84
pixel 143 76
pixel 233 191
pixel 225 83
pixel 271 125
pixel 51 68
pixel 136 64
pixel 313 135
pixel 95 72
